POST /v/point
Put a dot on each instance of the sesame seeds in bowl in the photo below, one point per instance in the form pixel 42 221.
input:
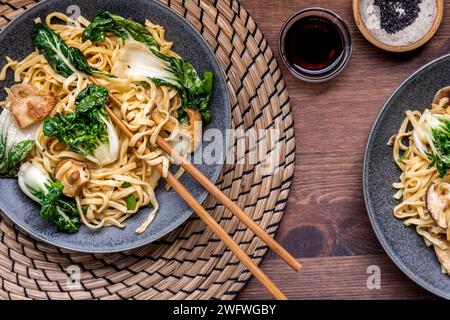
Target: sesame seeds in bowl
pixel 398 25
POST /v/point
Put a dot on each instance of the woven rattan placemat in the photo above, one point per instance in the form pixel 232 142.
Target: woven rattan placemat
pixel 189 263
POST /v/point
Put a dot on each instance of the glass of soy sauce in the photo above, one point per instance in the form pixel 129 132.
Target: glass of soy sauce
pixel 315 44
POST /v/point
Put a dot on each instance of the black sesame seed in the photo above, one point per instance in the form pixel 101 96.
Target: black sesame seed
pixel 397 15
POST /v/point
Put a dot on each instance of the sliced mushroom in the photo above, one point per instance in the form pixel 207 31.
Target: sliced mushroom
pixel 444 258
pixel 74 175
pixel 30 105
pixel 437 204
pixel 443 93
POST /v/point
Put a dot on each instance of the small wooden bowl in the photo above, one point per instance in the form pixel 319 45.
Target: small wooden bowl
pixel 362 27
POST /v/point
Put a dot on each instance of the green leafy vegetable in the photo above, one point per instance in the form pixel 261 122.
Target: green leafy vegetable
pixel 143 84
pixel 131 202
pixel 62 58
pixel 434 131
pixel 124 28
pixel 161 69
pixel 10 160
pixel 15 144
pixel 89 130
pixel 37 184
pixel 126 185
pixel 441 140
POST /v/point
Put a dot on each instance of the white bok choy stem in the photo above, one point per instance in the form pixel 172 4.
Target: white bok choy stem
pixel 15 143
pixel 36 183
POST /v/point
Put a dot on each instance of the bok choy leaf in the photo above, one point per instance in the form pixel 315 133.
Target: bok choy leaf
pixel 62 58
pixel 141 56
pixel 89 130
pixel 37 184
pixel 15 144
pixel 107 22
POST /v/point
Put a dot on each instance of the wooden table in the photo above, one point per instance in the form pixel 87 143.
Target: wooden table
pixel 326 224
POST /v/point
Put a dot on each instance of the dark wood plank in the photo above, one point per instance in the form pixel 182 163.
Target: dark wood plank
pixel 326 216
pixel 338 278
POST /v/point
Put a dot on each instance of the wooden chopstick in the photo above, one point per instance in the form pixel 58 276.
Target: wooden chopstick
pixel 221 197
pixel 224 237
pixel 230 205
pixel 201 212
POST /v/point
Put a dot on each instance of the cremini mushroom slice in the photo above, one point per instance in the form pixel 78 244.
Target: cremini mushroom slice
pixel 444 258
pixel 30 105
pixel 74 175
pixel 437 204
pixel 441 94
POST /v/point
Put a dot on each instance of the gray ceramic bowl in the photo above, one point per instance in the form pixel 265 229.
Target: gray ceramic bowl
pixel 405 247
pixel 15 41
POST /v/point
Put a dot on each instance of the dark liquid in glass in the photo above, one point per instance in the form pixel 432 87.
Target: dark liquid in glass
pixel 313 44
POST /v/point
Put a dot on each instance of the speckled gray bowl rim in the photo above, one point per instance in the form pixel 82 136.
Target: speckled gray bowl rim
pixel 379 234
pixel 226 143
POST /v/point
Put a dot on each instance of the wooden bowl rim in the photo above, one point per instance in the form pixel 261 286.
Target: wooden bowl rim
pixel 363 29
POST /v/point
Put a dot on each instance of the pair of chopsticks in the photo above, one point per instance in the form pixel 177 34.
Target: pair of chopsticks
pixel 205 216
